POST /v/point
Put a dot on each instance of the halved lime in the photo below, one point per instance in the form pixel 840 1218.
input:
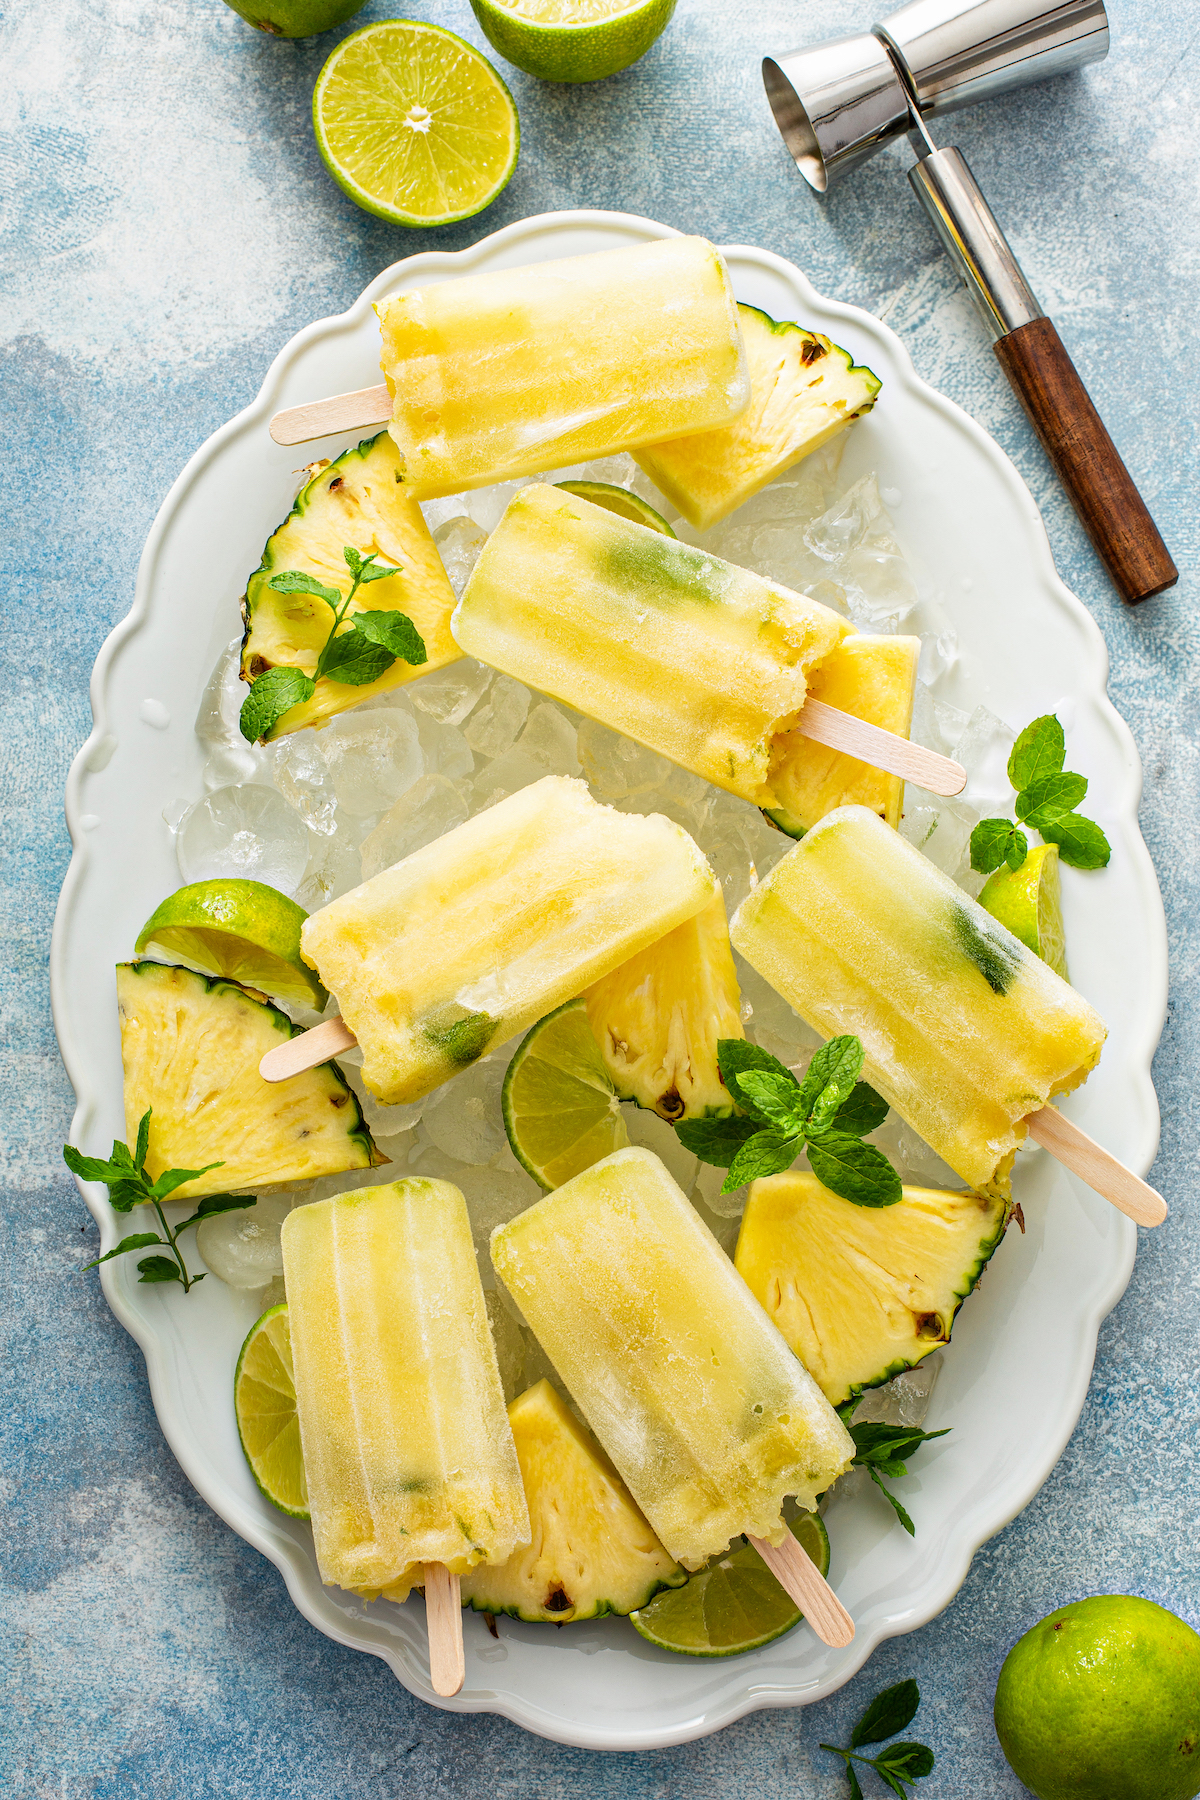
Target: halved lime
pixel 561 1111
pixel 264 1400
pixel 619 500
pixel 733 1604
pixel 1028 901
pixel 243 930
pixel 572 40
pixel 414 124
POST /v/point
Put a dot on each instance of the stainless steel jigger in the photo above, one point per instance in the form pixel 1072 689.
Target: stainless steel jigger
pixel 838 102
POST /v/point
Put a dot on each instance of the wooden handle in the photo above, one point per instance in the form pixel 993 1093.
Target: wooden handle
pixel 327 418
pixel 1076 1151
pixel 801 1579
pixel 307 1051
pixel 1098 484
pixel 839 730
pixel 443 1616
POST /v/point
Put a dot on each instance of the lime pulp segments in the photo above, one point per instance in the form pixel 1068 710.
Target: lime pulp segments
pixel 733 1604
pixel 572 40
pixel 619 500
pixel 561 1111
pixel 264 1400
pixel 242 930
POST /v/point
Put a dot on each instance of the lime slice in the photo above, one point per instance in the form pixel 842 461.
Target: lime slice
pixel 414 124
pixel 243 930
pixel 572 40
pixel 733 1603
pixel 619 500
pixel 1028 901
pixel 264 1400
pixel 561 1111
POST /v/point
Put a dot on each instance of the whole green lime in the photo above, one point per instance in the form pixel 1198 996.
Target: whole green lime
pixel 296 18
pixel 1101 1701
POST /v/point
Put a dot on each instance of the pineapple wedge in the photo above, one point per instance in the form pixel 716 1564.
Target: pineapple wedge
pixel 859 1292
pixel 592 1551
pixel 657 1019
pixel 191 1045
pixel 804 389
pixel 875 678
pixel 357 500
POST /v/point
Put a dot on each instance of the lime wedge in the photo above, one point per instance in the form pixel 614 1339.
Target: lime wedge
pixel 619 500
pixel 733 1603
pixel 1028 901
pixel 561 1111
pixel 414 124
pixel 264 1400
pixel 572 40
pixel 243 930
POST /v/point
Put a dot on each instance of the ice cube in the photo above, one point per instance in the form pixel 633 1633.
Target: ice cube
pixel 493 1197
pixel 942 833
pixel 449 694
pixel 510 1344
pixel 249 832
pixel 497 780
pixel 374 756
pixel 905 1399
pixel 242 1248
pixel 445 749
pixel 334 867
pixel 647 1130
pixel 492 728
pixel 614 766
pixel 459 541
pixel 463 1118
pixel 983 750
pixel 706 1194
pixel 382 1121
pixel 300 772
pixel 228 757
pixel 550 738
pixel 432 805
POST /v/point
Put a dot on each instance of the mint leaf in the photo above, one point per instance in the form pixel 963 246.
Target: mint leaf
pixel 170 1179
pixel 993 950
pixel 138 1241
pixel 883 1444
pixel 735 1055
pixel 1080 842
pixel 295 581
pixel 1047 800
pixel 1016 850
pixel 862 1112
pixel 856 1792
pixel 217 1203
pixel 773 1096
pixel 715 1141
pixel 994 841
pixel 379 571
pixel 127 1192
pixel 394 631
pixel 1038 752
pixel 89 1168
pixel 836 1064
pixel 354 561
pixel 892 1502
pixel 354 659
pixel 143 1140
pixel 274 693
pixel 858 1172
pixel 887 1714
pixel 908 1762
pixel 766 1153
pixel 161 1268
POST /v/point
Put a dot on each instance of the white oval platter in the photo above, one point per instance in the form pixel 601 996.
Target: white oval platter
pixel 1014 1382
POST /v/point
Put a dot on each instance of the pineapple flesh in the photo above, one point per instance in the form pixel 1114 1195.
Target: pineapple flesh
pixel 358 501
pixel 592 1551
pixel 658 1018
pixel 191 1045
pixel 862 1293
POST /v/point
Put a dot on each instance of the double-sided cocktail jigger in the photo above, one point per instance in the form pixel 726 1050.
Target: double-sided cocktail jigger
pixel 838 102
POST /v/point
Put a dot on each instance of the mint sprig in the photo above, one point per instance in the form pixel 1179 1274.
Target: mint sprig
pixel 899 1764
pixel 367 650
pixel 827 1114
pixel 884 1450
pixel 124 1175
pixel 1047 797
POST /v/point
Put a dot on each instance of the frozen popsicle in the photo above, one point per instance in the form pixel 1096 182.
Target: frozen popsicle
pixel 966 1032
pixel 710 1419
pixel 700 660
pixel 490 927
pixel 407 1449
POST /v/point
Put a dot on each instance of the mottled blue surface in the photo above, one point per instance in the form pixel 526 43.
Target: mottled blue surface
pixel 167 225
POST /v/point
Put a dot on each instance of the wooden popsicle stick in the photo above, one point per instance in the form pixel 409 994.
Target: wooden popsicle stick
pixel 1076 1151
pixel 839 730
pixel 329 417
pixel 800 1578
pixel 443 1615
pixel 307 1051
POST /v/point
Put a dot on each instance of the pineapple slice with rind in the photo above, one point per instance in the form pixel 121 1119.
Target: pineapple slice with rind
pixel 804 389
pixel 357 500
pixel 592 1551
pixel 874 678
pixel 658 1018
pixel 862 1293
pixel 191 1045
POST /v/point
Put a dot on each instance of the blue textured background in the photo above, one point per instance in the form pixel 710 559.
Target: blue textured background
pixel 167 225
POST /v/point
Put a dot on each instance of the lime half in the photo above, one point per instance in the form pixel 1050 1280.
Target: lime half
pixel 1028 901
pixel 733 1604
pixel 619 500
pixel 572 40
pixel 264 1400
pixel 243 930
pixel 561 1111
pixel 414 124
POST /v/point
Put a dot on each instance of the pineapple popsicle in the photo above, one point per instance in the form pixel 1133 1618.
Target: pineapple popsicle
pixel 702 661
pixel 407 1449
pixel 966 1032
pixel 490 927
pixel 692 1391
pixel 496 376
